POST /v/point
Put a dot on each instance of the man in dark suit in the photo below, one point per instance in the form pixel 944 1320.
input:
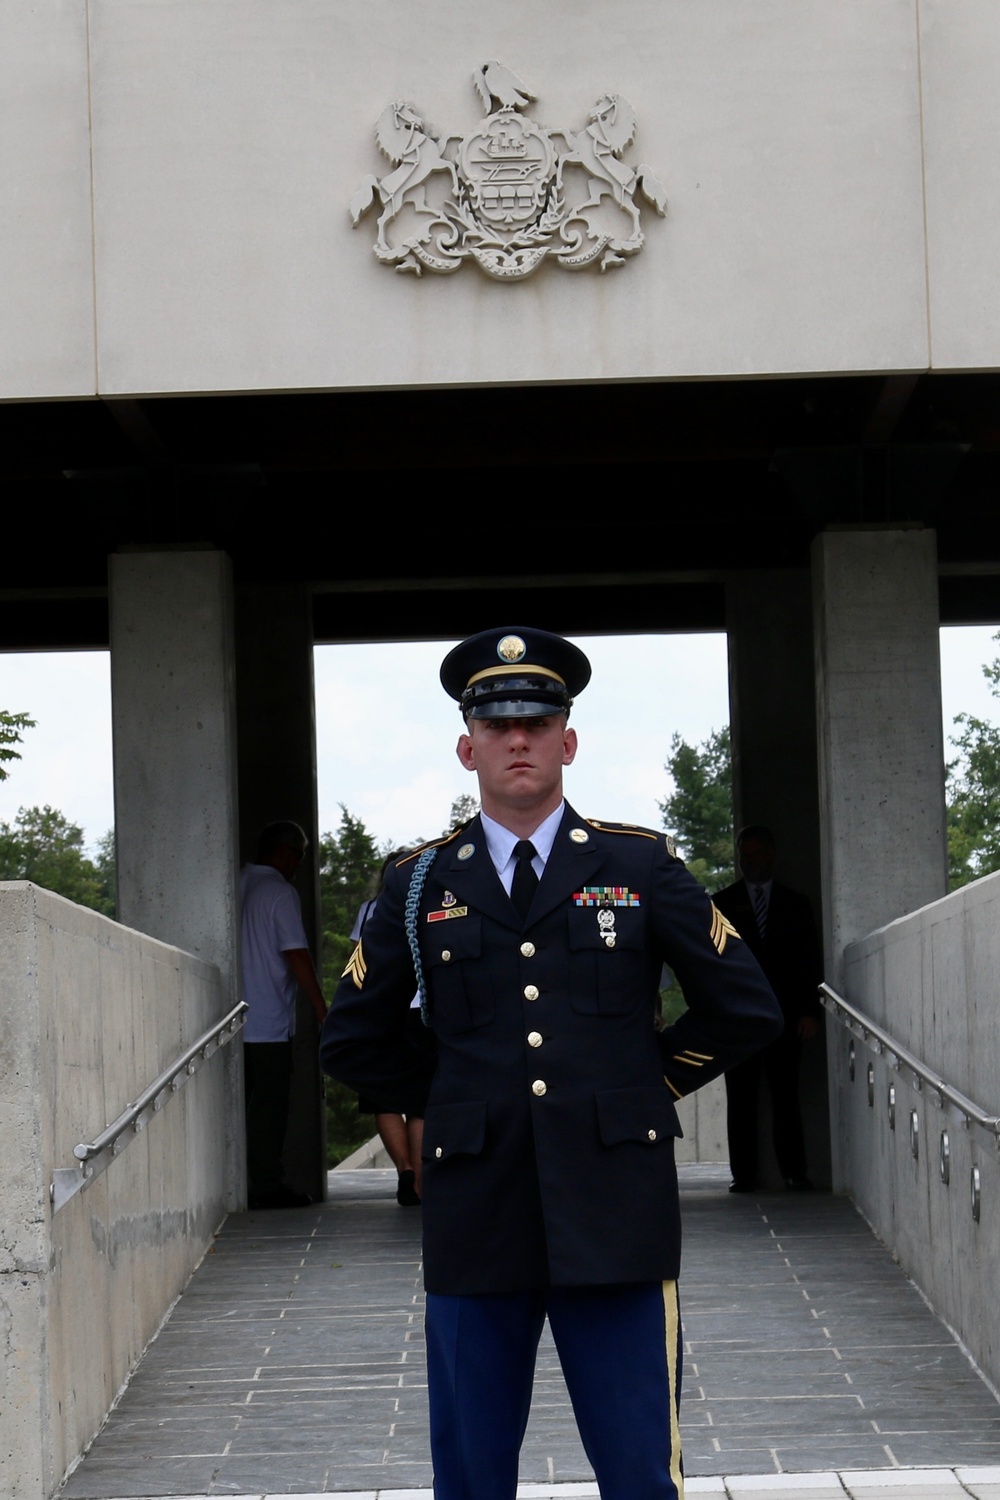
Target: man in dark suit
pixel 777 925
pixel 536 938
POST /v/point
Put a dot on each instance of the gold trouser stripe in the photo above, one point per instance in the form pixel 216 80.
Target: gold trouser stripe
pixel 671 1321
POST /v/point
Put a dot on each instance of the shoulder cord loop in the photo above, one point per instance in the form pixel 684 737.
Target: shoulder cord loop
pixel 418 878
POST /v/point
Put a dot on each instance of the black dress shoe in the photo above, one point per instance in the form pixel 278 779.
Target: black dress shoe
pixel 406 1194
pixel 742 1187
pixel 799 1185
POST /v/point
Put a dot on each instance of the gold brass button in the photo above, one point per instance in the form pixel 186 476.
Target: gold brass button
pixel 534 1038
pixel 530 992
pixel 445 954
pixel 651 1134
pixel 527 950
pixel 538 1087
pixel 438 1151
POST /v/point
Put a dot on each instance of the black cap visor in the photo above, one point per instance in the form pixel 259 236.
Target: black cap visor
pixel 515 698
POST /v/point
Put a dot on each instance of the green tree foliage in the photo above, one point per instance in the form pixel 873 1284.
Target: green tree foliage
pixel 463 810
pixel 11 727
pixel 973 791
pixel 43 846
pixel 349 865
pixel 698 813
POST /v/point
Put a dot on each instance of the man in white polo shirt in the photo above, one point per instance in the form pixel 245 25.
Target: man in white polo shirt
pixel 276 964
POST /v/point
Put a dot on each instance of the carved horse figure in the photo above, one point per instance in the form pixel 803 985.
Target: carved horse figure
pixel 610 128
pixel 415 155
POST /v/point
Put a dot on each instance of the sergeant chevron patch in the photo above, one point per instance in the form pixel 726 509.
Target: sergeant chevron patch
pixel 722 929
pixel 356 967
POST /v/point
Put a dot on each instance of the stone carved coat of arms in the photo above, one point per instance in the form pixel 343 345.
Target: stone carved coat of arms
pixel 511 192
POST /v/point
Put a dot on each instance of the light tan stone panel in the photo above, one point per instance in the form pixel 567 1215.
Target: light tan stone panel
pixel 46 259
pixel 960 56
pixel 230 136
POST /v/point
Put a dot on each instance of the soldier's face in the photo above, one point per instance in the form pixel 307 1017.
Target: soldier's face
pixel 519 762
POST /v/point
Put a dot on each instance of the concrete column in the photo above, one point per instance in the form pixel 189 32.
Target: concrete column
pixel 174 726
pixel 881 752
pixel 773 716
pixel 776 781
pixel 277 779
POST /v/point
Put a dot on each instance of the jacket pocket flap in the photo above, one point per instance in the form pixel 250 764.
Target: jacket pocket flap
pixel 448 942
pixel 637 1114
pixel 454 1130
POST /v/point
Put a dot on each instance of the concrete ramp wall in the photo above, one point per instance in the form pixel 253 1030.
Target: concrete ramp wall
pixel 90 1013
pixel 930 980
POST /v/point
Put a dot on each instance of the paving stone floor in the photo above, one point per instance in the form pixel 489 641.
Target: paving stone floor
pixel 294 1363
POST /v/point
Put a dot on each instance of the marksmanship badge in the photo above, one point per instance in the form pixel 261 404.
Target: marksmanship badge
pixel 509 193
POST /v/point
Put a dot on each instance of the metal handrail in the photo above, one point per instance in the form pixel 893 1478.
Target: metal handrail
pixel 901 1059
pixel 97 1155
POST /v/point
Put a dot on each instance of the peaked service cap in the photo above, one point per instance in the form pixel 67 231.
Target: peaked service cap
pixel 514 673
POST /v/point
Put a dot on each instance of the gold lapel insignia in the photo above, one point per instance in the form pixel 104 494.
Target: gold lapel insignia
pixel 356 967
pixel 579 835
pixel 467 851
pixel 722 929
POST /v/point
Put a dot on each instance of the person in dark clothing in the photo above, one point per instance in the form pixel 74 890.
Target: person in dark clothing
pixel 777 925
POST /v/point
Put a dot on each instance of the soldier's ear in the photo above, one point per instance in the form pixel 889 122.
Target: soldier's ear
pixel 569 746
pixel 464 752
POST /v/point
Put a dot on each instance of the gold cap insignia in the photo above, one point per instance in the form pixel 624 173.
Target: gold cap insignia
pixel 467 851
pixel 579 835
pixel 511 649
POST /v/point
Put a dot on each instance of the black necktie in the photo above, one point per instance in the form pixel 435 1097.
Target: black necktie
pixel 525 881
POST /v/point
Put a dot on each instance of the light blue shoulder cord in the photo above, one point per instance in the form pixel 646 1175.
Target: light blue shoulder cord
pixel 413 895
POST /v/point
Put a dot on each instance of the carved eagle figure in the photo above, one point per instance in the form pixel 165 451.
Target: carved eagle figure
pixel 494 81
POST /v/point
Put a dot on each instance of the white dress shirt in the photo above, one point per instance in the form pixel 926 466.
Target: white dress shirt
pixel 501 844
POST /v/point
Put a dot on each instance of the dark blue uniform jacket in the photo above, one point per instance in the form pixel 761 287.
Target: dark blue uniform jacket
pixel 548 1144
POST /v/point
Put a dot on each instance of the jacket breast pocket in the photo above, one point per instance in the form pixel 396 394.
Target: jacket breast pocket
pixel 645 1115
pixel 607 978
pixel 459 986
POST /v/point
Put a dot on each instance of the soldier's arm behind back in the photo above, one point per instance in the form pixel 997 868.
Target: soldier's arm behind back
pixel 362 1043
pixel 731 1008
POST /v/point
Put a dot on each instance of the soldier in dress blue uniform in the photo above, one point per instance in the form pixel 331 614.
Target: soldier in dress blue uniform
pixel 537 938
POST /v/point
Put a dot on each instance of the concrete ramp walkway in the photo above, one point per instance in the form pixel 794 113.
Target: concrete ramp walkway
pixel 294 1364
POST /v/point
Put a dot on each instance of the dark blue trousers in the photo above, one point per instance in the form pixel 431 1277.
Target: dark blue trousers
pixel 620 1350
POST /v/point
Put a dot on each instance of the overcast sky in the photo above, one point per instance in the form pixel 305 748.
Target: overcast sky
pixel 386 730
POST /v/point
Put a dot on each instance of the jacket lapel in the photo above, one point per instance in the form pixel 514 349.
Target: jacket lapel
pixel 568 868
pixel 473 879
